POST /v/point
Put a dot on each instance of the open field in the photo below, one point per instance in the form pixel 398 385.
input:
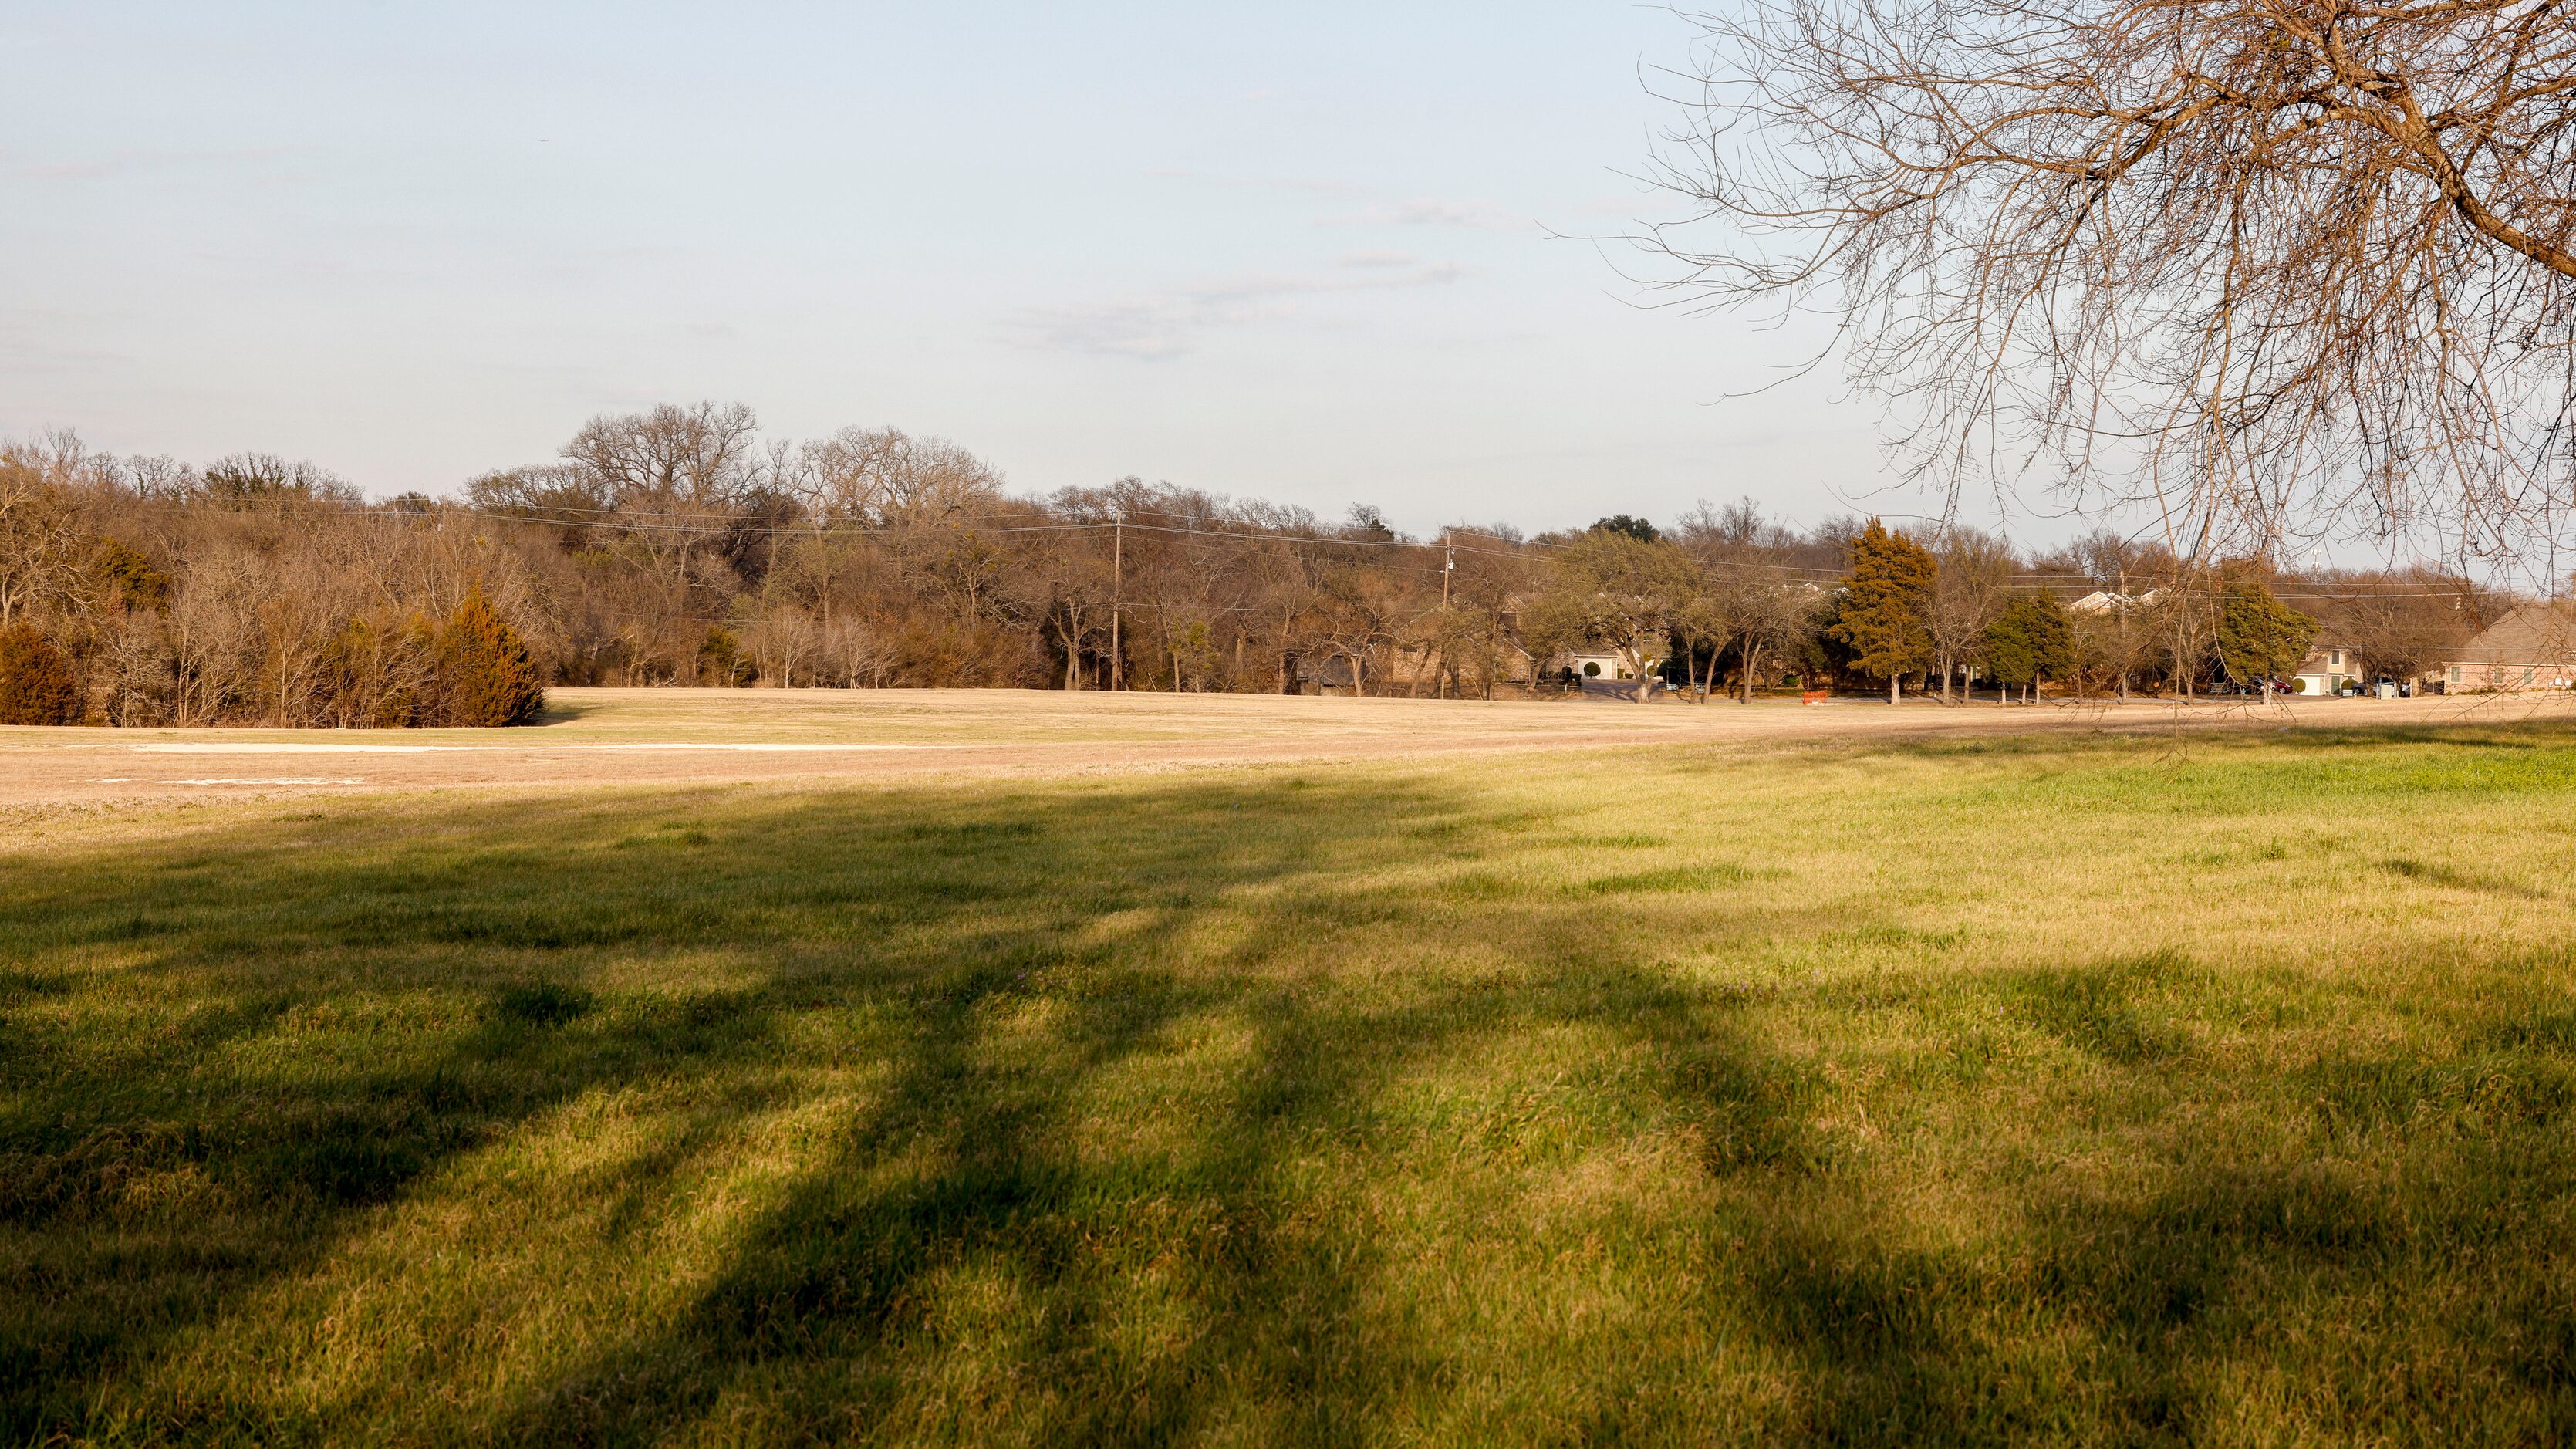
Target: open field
pixel 594 737
pixel 1930 1086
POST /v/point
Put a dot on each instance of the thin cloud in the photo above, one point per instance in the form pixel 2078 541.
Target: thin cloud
pixel 1375 260
pixel 1382 209
pixel 1431 211
pixel 1170 323
pixel 30 344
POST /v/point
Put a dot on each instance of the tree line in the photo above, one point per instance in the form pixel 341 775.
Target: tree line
pixel 679 546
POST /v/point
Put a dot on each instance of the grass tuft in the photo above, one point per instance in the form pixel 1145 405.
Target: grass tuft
pixel 541 1004
pixel 1667 880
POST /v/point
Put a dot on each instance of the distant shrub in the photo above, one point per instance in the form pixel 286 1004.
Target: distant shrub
pixel 485 676
pixel 37 686
pixel 128 580
pixel 721 660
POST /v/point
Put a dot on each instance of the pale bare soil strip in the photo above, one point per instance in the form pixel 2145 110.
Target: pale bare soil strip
pixel 609 737
pixel 661 736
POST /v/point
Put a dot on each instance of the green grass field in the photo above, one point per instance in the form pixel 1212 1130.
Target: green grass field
pixel 2052 1091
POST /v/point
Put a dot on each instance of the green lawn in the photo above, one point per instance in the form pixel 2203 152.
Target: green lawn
pixel 2054 1091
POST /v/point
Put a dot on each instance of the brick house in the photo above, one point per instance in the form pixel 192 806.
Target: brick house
pixel 2534 647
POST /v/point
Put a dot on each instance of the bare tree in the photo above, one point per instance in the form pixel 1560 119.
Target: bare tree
pixel 2182 614
pixel 2400 625
pixel 1754 584
pixel 1064 582
pixel 855 651
pixel 2278 271
pixel 673 478
pixel 781 639
pixel 1617 591
pixel 1974 576
pixel 37 541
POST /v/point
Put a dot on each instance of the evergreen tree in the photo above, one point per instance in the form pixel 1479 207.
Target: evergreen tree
pixel 1636 528
pixel 1883 609
pixel 721 660
pixel 37 686
pixel 2259 637
pixel 127 579
pixel 485 676
pixel 2032 639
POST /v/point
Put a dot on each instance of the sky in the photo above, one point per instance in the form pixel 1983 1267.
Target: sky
pixel 1325 254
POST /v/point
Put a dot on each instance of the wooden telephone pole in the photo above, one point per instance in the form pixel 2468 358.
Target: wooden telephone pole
pixel 1117 592
pixel 1448 566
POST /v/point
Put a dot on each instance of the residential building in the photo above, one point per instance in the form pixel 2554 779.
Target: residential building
pixel 2326 670
pixel 2534 647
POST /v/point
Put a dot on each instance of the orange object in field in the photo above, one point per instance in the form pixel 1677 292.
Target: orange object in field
pixel 1815 696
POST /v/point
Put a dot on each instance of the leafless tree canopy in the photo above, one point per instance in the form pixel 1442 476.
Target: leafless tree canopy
pixel 2278 269
pixel 679 547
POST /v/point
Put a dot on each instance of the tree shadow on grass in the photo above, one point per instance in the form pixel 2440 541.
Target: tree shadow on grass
pixel 2384 1272
pixel 229 1056
pixel 1142 1294
pixel 837 1312
pixel 169 1141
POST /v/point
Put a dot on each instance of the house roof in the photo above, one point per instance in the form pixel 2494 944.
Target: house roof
pixel 2104 601
pixel 2320 656
pixel 2532 634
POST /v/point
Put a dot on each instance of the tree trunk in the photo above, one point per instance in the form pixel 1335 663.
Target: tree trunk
pixel 1894 687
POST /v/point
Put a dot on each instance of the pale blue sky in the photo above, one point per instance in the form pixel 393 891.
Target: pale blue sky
pixel 1298 252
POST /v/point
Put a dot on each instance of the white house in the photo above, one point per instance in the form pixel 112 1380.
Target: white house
pixel 1597 666
pixel 2326 670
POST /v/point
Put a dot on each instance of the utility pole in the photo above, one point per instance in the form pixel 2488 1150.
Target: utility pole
pixel 2125 605
pixel 1117 590
pixel 1448 566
